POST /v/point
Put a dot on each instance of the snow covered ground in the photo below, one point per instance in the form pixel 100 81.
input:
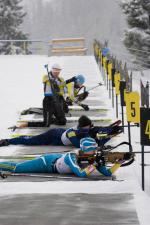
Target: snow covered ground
pixel 21 87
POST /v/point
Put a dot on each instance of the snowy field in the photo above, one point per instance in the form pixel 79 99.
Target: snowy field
pixel 20 88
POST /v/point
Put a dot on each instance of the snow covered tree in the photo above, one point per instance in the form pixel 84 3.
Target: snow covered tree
pixel 11 18
pixel 137 37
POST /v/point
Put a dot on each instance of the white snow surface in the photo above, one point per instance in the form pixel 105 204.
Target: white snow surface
pixel 21 87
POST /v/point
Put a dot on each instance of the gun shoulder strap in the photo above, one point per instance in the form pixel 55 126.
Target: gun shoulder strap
pixel 116 146
pixel 53 86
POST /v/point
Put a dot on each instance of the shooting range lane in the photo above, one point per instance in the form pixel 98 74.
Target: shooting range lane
pixel 74 209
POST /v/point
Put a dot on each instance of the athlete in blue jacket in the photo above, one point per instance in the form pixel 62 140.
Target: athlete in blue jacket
pixel 67 163
pixel 61 136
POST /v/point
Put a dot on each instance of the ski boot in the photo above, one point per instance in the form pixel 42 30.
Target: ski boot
pixel 60 122
pixel 4 142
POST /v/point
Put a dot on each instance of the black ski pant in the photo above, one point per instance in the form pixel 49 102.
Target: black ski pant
pixel 52 107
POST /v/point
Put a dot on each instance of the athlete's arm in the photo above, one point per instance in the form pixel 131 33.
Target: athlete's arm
pixel 108 172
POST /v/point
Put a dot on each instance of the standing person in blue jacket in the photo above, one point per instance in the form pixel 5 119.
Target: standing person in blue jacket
pixel 61 136
pixel 63 163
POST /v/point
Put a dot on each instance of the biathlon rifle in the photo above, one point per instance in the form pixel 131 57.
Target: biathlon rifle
pixel 81 97
pixel 104 156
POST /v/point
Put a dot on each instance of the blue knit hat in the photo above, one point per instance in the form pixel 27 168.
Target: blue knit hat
pixel 80 79
pixel 88 144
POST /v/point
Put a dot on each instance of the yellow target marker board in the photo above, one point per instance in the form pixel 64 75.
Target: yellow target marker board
pixel 100 56
pixel 104 64
pixel 110 71
pixel 96 49
pixel 117 79
pixel 133 107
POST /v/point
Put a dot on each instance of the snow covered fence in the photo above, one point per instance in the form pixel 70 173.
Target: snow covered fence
pixel 65 46
pixel 26 47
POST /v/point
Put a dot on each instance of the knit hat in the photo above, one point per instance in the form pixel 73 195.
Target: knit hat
pixel 80 79
pixel 88 144
pixel 84 121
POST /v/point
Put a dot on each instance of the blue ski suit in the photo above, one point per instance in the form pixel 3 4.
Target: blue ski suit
pixel 61 136
pixel 56 163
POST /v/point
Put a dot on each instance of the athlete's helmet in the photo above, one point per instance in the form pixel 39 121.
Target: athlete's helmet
pixel 80 79
pixel 88 144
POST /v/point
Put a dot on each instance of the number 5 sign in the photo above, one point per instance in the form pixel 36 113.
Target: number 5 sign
pixel 145 126
pixel 133 107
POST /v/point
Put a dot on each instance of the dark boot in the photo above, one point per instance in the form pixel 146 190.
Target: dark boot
pixel 4 142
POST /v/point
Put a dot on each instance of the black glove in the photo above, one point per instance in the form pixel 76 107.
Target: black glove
pixel 74 79
pixel 68 101
pixel 93 131
pixel 116 130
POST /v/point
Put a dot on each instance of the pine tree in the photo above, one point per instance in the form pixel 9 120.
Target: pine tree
pixel 11 19
pixel 137 37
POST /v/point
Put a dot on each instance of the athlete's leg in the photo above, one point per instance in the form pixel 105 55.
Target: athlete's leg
pixel 43 164
pixel 51 137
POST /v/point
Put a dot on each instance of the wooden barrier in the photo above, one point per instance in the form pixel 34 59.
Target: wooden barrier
pixel 68 46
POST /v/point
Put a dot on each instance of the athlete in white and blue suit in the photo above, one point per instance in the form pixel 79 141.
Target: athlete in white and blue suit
pixel 63 163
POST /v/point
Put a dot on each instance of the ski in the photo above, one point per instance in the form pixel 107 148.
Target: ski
pixel 93 118
pixel 20 157
pixel 69 119
pixel 39 111
pixel 13 128
pixel 91 108
pixel 6 174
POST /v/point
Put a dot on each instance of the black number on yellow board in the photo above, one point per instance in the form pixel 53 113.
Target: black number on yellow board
pixel 133 111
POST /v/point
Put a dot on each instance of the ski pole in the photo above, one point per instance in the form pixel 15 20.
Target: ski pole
pixel 85 106
pixel 46 66
pixel 99 84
